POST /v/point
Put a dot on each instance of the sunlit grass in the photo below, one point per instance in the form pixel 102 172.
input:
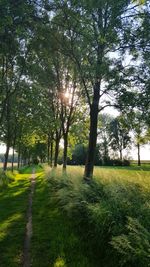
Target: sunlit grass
pixel 71 220
pixel 59 262
pixel 53 234
pixel 106 174
pixel 102 209
pixel 13 208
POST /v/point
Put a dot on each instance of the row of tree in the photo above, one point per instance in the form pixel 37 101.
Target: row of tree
pixel 61 64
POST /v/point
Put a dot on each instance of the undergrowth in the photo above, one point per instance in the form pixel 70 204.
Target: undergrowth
pixel 112 218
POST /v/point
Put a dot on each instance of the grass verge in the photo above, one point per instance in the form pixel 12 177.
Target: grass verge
pixel 54 241
pixel 13 207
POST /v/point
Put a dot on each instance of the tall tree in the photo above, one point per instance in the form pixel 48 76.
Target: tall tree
pixel 91 31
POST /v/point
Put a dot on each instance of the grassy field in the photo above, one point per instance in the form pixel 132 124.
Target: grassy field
pixel 133 174
pixel 102 224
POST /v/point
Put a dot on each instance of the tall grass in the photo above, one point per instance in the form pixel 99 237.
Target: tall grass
pixel 111 214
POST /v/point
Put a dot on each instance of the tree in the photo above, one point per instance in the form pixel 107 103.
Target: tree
pixel 16 27
pixel 119 136
pixel 139 127
pixel 91 31
pixel 104 136
pixel 79 154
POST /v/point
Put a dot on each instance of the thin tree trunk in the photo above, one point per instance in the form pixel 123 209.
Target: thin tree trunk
pixel 120 151
pixel 89 166
pixel 6 155
pixel 65 151
pixel 48 149
pixel 8 134
pixel 21 160
pixel 25 161
pixel 56 151
pixel 51 154
pixel 18 165
pixel 13 155
pixel 139 159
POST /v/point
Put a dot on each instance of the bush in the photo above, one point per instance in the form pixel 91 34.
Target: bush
pixel 134 246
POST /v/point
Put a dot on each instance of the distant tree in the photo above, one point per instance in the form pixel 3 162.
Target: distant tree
pixel 119 136
pixel 79 154
pixel 104 136
pixel 140 130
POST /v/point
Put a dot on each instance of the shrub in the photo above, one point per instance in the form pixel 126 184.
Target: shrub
pixel 134 246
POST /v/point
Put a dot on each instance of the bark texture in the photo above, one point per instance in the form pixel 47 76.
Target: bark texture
pixel 94 110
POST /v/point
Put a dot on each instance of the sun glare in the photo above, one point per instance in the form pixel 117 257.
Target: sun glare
pixel 66 95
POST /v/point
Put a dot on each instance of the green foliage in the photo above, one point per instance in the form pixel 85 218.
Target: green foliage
pixel 53 234
pixel 100 210
pixel 134 246
pixel 119 135
pixel 79 154
pixel 5 178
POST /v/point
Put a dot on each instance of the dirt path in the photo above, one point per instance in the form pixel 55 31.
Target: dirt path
pixel 28 235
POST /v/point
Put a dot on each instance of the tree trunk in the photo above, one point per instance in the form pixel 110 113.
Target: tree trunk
pixel 94 110
pixel 25 161
pixel 21 161
pixel 48 149
pixel 8 134
pixel 120 151
pixel 18 165
pixel 51 154
pixel 139 159
pixel 65 151
pixel 13 155
pixel 19 155
pixel 56 151
pixel 6 155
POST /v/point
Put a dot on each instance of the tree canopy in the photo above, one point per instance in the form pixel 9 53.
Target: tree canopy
pixel 61 64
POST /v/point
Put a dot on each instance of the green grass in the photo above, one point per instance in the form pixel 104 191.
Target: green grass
pixel 13 208
pixel 74 224
pixel 111 214
pixel 54 241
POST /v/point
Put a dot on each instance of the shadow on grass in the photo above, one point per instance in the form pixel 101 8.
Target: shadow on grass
pixel 13 209
pixel 13 206
pixel 54 242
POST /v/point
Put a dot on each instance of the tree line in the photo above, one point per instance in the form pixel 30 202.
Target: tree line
pixel 61 64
